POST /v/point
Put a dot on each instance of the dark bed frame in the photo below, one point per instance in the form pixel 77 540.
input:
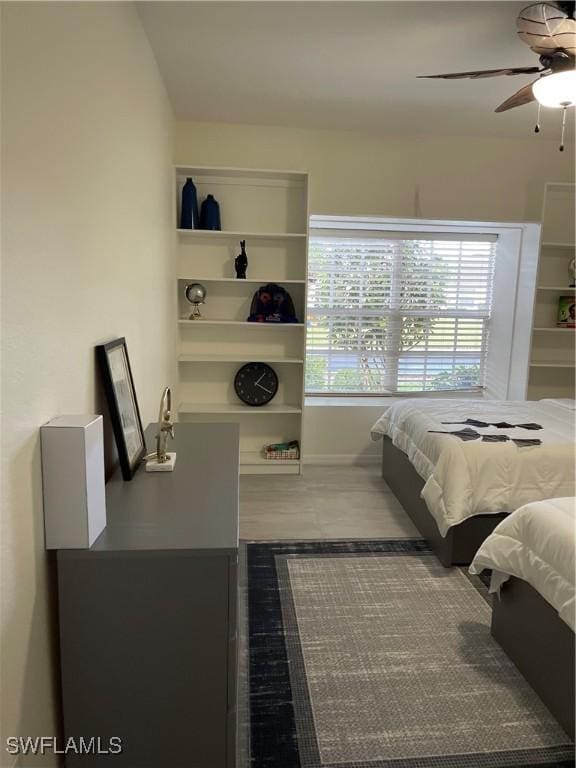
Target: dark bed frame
pixel 461 542
pixel 540 644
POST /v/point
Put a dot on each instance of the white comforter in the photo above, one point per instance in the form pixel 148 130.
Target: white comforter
pixel 536 543
pixel 469 478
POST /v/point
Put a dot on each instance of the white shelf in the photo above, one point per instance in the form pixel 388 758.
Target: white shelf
pixel 240 408
pixel 256 280
pixel 551 361
pixel 556 288
pixel 226 235
pixel 239 359
pixel 241 173
pixel 284 326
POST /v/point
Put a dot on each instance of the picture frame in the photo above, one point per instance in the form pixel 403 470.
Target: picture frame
pixel 566 312
pixel 116 373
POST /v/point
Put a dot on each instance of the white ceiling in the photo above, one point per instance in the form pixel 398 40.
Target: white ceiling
pixel 346 65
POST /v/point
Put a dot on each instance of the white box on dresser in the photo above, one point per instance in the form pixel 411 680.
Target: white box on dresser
pixel 73 481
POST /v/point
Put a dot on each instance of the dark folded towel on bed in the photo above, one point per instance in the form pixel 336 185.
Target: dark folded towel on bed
pixel 526 442
pixel 497 424
pixel 471 434
pixel 473 423
pixel 463 434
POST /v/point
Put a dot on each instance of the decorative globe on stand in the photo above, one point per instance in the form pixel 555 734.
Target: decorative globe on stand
pixel 195 293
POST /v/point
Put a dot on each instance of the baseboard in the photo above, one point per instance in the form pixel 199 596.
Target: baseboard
pixel 349 459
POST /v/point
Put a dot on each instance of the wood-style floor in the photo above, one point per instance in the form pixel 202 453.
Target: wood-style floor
pixel 336 502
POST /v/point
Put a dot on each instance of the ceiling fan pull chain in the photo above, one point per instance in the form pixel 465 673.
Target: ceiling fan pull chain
pixel 563 129
pixel 537 126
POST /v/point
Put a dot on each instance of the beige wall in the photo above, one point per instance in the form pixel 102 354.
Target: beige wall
pixel 482 178
pixel 490 179
pixel 87 244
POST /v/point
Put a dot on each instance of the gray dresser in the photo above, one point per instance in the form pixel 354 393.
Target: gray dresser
pixel 148 615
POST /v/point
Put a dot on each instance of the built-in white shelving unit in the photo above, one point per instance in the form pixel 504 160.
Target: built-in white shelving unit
pixel 552 362
pixel 557 288
pixel 209 234
pixel 268 209
pixel 243 323
pixel 256 280
pixel 246 410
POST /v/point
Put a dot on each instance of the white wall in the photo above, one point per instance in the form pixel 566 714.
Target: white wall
pixel 474 178
pixel 87 256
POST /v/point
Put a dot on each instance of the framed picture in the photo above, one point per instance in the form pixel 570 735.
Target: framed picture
pixel 117 379
pixel 566 312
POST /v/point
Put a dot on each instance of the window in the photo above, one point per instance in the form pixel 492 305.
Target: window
pixel 397 312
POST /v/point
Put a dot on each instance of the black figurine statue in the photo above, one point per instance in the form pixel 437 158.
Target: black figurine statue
pixel 241 262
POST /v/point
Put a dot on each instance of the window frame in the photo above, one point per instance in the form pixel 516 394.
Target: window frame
pixel 506 371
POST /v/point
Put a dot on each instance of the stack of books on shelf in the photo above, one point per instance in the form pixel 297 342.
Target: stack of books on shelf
pixel 283 451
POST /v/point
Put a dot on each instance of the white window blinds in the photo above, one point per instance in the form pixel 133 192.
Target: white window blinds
pixel 392 312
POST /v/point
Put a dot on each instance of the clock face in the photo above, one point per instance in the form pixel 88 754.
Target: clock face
pixel 256 384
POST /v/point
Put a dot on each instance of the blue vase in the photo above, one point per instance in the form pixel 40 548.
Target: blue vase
pixel 210 214
pixel 189 218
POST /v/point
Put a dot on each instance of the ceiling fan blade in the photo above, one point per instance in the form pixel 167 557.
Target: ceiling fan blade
pixel 479 73
pixel 521 97
pixel 547 28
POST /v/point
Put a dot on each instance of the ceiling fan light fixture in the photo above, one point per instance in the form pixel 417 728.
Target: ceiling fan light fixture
pixel 557 90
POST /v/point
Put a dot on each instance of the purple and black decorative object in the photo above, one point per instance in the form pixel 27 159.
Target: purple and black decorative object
pixel 272 304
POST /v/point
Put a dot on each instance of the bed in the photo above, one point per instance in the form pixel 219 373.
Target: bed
pixel 532 558
pixel 457 491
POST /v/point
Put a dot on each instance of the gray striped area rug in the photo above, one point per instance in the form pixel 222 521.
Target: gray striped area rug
pixel 373 655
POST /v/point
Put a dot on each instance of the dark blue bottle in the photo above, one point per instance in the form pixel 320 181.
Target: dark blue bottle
pixel 210 214
pixel 189 218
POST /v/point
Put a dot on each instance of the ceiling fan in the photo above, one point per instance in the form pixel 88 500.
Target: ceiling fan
pixel 549 29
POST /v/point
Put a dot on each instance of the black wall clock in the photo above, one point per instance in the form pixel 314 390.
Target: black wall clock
pixel 256 384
